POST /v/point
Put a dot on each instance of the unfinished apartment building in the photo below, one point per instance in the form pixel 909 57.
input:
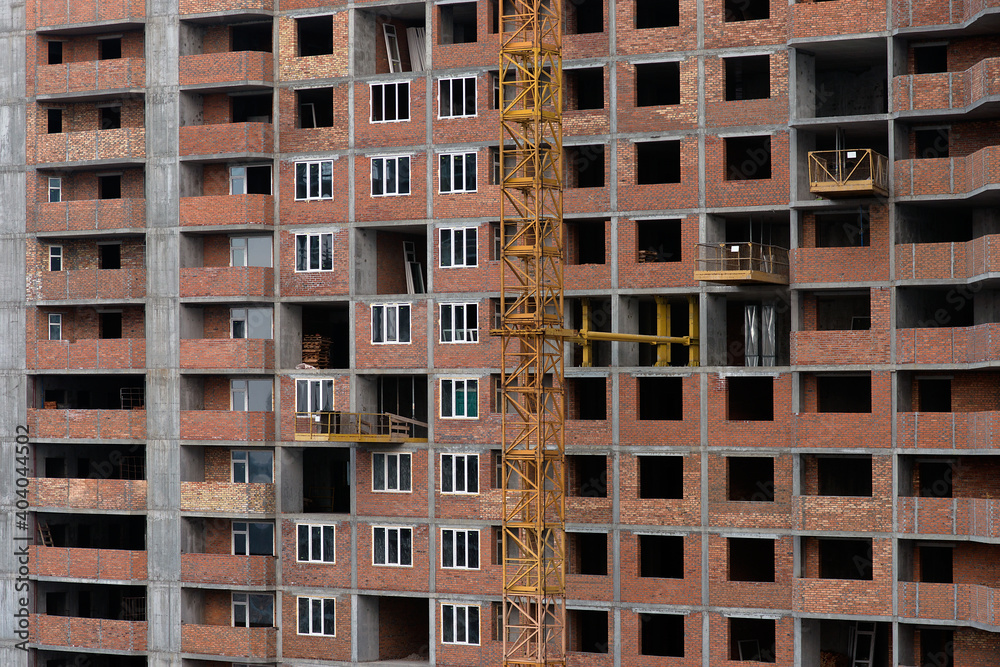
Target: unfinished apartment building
pixel 250 266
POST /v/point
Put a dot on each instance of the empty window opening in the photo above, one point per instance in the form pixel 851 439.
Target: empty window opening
pixel 586 166
pixel 493 12
pixel 747 10
pixel 325 336
pixel 251 108
pixel 926 307
pixel 657 84
pixel 588 553
pixel 588 476
pixel 584 16
pixel 252 180
pixel 405 396
pixel 845 559
pixel 55 52
pixel 750 478
pixel 587 398
pixel 658 240
pixel 315 107
pixel 844 230
pixel 843 312
pixel 589 631
pixel 661 477
pixel 937 647
pixel 930 59
pixel 54 121
pixel 458 23
pixel 935 478
pixel 661 398
pixel 657 14
pixel 845 475
pixel 109 187
pixel 936 564
pixel 585 88
pixel 748 158
pixel 662 635
pixel 315 35
pixel 934 394
pixel 658 162
pixel 750 398
pixel 110 48
pixel 661 556
pixel 586 243
pixel 748 78
pixel 110 325
pixel 751 559
pixel 679 310
pixel 326 480
pixel 844 393
pixel 110 256
pixel 251 37
pixel 931 143
pixel 752 639
pixel 110 118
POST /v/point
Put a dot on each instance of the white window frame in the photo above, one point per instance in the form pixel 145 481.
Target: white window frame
pixel 324 385
pixel 312 543
pixel 460 462
pixel 239 244
pixel 55 189
pixel 324 193
pixel 460 331
pixel 246 394
pixel 451 83
pixel 245 602
pixel 55 324
pixel 466 611
pixel 469 536
pixel 392 47
pixel 446 165
pixel 459 240
pixel 455 382
pixel 392 332
pixel 246 537
pixel 312 602
pixel 242 315
pixel 233 178
pixel 381 460
pixel 55 256
pixel 319 240
pixel 400 531
pixel 385 86
pixel 242 457
pixel 385 160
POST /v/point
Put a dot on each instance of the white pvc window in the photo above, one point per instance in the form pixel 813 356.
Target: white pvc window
pixel 390 176
pixel 314 395
pixel 252 395
pixel 458 247
pixel 316 543
pixel 457 97
pixel 392 546
pixel 460 473
pixel 460 624
pixel 460 549
pixel 250 323
pixel 392 47
pixel 253 610
pixel 55 326
pixel 55 258
pixel 253 538
pixel 390 102
pixel 250 251
pixel 391 323
pixel 317 616
pixel 314 180
pixel 457 172
pixel 314 252
pixel 459 323
pixel 459 398
pixel 252 466
pixel 391 472
pixel 55 190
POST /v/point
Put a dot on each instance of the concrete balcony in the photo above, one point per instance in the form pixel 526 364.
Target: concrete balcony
pixel 92 494
pixel 104 564
pixel 244 354
pixel 93 78
pixel 227 281
pixel 229 641
pixel 970 518
pixel 88 215
pixel 88 424
pixel 227 497
pixel 955 92
pixel 948 430
pixel 103 354
pixel 852 513
pixel 834 265
pixel 54 14
pixel 123 146
pixel 225 139
pixel 968 603
pixel 240 69
pixel 840 429
pixel 949 345
pixel 843 17
pixel 970 260
pixel 841 596
pixel 91 633
pixel 814 348
pixel 224 210
pixel 960 176
pixel 919 13
pixel 226 570
pixel 226 425
pixel 90 284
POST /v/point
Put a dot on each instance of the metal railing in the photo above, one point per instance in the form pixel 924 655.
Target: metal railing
pixel 743 257
pixel 357 427
pixel 848 171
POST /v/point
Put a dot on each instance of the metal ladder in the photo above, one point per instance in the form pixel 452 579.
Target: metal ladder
pixel 45 534
pixel 863 644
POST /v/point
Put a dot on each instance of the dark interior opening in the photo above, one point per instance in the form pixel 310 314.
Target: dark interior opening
pixel 844 393
pixel 848 229
pixel 845 475
pixel 458 23
pixel 931 143
pixel 110 325
pixel 88 531
pixel 658 162
pixel 584 16
pixel 589 398
pixel 109 187
pixel 251 108
pixel 403 627
pixel 934 394
pixel 315 35
pixel 258 179
pixel 110 256
pixel 936 478
pixel 590 553
pixel 586 242
pixel 661 477
pixel 406 396
pixel 332 325
pixel 748 78
pixel 54 117
pixel 936 564
pixel 661 556
pixel 750 398
pixel 843 312
pixel 657 84
pixel 930 59
pixel 588 476
pixel 110 118
pixel 661 634
pixel 326 480
pixel 747 10
pixel 937 647
pixel 679 316
pixel 657 14
pixel 751 478
pixel 55 52
pixel 251 37
pixel 587 85
pixel 658 240
pixel 109 49
pixel 752 639
pixel 748 158
pixel 845 559
pixel 751 559
pixel 586 166
pixel 590 630
pixel 661 398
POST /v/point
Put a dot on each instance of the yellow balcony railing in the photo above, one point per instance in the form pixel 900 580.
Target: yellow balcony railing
pixel 848 173
pixel 358 427
pixel 742 263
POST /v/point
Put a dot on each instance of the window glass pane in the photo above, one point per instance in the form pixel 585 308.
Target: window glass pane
pixel 404 472
pixel 329 549
pixel 447 548
pixel 445 87
pixel 301 252
pixel 460 548
pixel 446 324
pixel 391 332
pixel 446 398
pixel 473 548
pixel 261 539
pixel 303 542
pixel 460 398
pixel 239 543
pixel 377 336
pixel 314 179
pixel 377 188
pixel 261 611
pixel 404 324
pixel 473 625
pixel 459 473
pixel 326 252
pixel 314 253
pixel 317 615
pixel 470 243
pixel 261 467
pixel 392 546
pixel 448 623
pixel 260 395
pixel 303 615
pixel 472 474
pixel 446 473
pixel 445 172
pixel 445 249
pixel 314 396
pixel 377 103
pixel 378 472
pixel 392 474
pixel 239 395
pixel 470 172
pixel 326 178
pixel 259 323
pixel 460 635
pixel 301 172
pixel 470 96
pixel 259 253
pixel 239 613
pixel 403 100
pixel 379 549
pixel 390 177
pixel 404 175
pixel 317 544
pixel 326 398
pixel 329 616
pixel 404 546
pixel 472 394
